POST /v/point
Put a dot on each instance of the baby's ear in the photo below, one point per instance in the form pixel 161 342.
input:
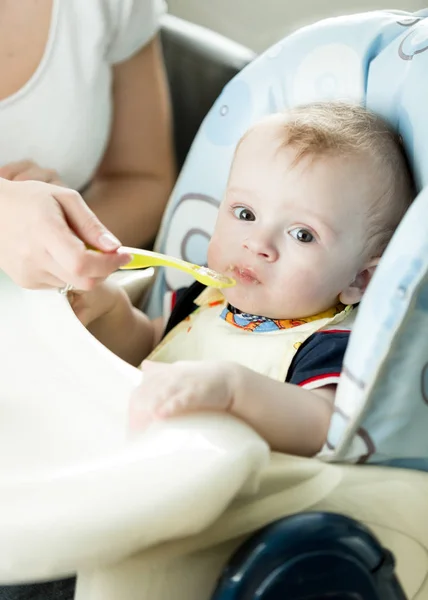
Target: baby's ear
pixel 354 293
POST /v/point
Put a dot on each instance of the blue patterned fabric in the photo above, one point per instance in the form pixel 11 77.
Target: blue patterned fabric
pixel 251 322
pixel 378 59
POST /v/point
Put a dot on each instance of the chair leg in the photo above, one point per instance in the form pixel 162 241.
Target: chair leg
pixel 311 556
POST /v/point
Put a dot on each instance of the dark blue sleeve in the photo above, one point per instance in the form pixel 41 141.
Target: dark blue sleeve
pixel 184 305
pixel 319 359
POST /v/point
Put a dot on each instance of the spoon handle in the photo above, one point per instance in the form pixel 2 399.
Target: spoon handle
pixel 147 258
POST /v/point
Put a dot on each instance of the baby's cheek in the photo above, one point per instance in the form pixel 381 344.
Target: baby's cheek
pixel 215 253
pixel 310 286
pixel 306 279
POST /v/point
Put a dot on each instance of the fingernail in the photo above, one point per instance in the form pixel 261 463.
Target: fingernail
pixel 109 241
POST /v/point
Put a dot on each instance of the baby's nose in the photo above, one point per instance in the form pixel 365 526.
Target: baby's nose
pixel 262 247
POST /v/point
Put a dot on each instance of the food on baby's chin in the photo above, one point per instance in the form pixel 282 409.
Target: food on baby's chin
pixel 214 275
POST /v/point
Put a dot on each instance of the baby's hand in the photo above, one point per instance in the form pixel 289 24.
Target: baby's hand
pixel 182 387
pixel 90 306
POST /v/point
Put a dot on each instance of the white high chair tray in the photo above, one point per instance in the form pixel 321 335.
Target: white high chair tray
pixel 75 490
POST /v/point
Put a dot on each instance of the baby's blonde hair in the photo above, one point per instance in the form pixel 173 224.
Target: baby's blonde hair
pixel 340 129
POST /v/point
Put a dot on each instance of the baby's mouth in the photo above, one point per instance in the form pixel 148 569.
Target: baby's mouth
pixel 244 274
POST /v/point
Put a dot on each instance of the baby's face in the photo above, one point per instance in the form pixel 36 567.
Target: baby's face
pixel 293 237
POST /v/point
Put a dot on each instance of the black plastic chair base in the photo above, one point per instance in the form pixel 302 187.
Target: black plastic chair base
pixel 311 556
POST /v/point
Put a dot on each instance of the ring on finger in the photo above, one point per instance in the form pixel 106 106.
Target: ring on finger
pixel 67 288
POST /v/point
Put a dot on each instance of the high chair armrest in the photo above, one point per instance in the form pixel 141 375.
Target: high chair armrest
pixel 135 283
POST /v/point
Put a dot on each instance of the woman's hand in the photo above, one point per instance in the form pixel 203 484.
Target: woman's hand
pixel 26 170
pixel 44 230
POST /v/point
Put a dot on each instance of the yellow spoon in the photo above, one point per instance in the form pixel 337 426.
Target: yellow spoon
pixel 146 258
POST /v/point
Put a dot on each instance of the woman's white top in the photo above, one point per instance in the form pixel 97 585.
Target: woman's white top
pixel 61 117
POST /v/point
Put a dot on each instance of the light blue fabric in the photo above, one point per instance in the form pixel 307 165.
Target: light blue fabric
pixel 382 400
pixel 378 59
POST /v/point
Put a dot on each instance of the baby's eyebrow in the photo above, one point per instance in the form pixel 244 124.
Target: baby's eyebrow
pixel 320 223
pixel 244 192
pixel 333 233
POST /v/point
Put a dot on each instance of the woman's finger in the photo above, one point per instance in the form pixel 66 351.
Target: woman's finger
pixel 84 222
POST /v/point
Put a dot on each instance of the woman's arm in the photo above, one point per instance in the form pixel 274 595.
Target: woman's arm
pixel 135 178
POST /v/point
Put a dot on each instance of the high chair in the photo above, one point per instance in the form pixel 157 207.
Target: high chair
pixel 160 516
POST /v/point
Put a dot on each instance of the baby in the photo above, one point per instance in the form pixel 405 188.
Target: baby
pixel 313 197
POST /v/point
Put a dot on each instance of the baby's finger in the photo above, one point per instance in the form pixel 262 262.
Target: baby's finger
pixel 11 170
pixel 35 173
pixel 140 414
pixel 175 405
pixel 138 420
pixel 152 366
pixel 79 307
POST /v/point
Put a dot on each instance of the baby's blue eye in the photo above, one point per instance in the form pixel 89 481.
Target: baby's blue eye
pixel 301 235
pixel 244 214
